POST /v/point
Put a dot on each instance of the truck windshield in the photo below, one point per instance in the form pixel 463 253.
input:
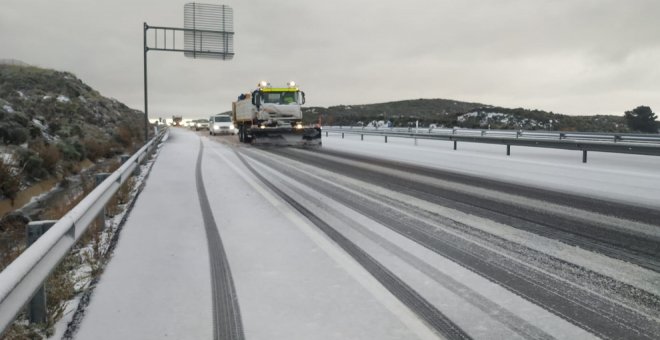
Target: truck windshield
pixel 222 119
pixel 280 98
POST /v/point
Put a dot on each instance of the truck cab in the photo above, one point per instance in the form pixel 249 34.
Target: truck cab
pixel 277 106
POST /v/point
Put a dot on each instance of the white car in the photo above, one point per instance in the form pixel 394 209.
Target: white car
pixel 201 124
pixel 221 125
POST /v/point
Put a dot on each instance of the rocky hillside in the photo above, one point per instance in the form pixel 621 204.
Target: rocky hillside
pixel 451 113
pixel 50 121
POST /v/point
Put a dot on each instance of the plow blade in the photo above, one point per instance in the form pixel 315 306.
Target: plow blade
pixel 305 137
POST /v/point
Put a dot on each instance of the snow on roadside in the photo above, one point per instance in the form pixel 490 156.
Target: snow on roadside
pixel 631 179
pixel 83 275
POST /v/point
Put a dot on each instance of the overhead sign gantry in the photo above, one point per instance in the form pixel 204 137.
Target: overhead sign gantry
pixel 208 33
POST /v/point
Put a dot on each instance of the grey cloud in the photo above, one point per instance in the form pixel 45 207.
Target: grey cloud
pixel 576 57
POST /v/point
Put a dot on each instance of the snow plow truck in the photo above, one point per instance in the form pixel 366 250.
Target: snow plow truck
pixel 273 116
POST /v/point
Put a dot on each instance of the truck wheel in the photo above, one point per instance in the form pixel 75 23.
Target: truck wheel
pixel 246 137
pixel 241 137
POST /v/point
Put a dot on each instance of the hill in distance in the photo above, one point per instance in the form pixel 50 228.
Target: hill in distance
pixel 452 113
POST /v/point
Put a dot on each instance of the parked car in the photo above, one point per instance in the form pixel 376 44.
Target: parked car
pixel 221 124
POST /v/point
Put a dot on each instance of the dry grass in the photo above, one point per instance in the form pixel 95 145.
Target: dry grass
pixel 89 254
pixel 96 149
pixel 60 286
pixel 117 202
pixel 49 153
pixel 12 240
pixel 10 183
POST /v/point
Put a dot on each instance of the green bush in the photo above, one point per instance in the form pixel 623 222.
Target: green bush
pixel 34 166
pixel 72 151
pixel 76 130
pixel 13 133
pixel 35 132
pixel 54 127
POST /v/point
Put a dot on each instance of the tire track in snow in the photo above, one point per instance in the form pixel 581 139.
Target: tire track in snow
pixel 575 305
pixel 512 321
pixel 436 196
pixel 638 249
pixel 227 322
pixel 400 289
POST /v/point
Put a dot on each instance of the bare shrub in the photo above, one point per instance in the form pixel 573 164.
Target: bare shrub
pixel 115 206
pixel 49 154
pixel 10 182
pixel 95 149
pixel 12 237
pixel 124 135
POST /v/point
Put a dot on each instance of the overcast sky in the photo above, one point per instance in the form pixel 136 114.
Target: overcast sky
pixel 566 56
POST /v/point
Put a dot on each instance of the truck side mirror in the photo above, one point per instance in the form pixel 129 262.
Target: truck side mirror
pixel 256 99
pixel 303 97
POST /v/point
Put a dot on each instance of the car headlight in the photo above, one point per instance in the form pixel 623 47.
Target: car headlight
pixel 231 126
pixel 215 127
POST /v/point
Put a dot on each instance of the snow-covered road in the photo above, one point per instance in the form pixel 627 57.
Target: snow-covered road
pixel 327 244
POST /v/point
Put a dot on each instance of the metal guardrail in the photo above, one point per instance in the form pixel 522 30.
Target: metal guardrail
pixel 26 274
pixel 640 144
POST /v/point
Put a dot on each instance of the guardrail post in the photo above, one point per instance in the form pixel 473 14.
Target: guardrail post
pixel 385 139
pixel 562 135
pixel 342 135
pixel 508 150
pixel 617 138
pixel 584 156
pixel 136 172
pixel 455 142
pixel 415 141
pixel 326 133
pixel 518 134
pixel 98 179
pixel 37 306
pixel 362 136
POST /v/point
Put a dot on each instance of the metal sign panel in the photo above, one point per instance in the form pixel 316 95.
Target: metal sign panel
pixel 209 31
